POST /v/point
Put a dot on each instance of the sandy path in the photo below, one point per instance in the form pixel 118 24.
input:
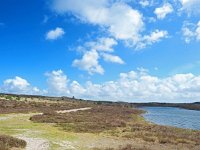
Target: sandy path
pixel 73 110
pixel 40 143
pixel 10 116
pixel 35 143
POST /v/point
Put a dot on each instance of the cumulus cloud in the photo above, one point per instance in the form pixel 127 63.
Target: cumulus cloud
pixel 133 86
pixel 144 3
pixel 57 83
pixel 93 51
pixel 118 18
pixel 89 62
pixel 112 58
pixel 101 48
pixel 163 11
pixel 190 6
pixel 140 86
pixel 102 44
pixel 55 34
pixel 191 31
pixel 154 37
pixel 19 85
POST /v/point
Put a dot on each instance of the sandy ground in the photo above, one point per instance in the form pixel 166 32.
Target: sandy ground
pixel 10 116
pixel 35 143
pixel 73 110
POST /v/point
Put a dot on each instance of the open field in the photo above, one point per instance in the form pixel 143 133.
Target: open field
pixel 53 124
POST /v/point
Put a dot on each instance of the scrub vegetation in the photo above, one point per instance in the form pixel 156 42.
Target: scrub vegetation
pixel 8 142
pixel 104 126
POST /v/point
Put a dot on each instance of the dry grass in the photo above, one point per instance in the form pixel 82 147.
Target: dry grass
pixel 8 142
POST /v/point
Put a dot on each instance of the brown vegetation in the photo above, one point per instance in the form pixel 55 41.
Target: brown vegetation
pixel 113 119
pixel 8 142
pixel 14 106
pixel 162 134
pixel 98 119
pixel 127 147
pixel 122 122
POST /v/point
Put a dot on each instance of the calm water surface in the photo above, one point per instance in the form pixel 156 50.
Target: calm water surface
pixel 171 116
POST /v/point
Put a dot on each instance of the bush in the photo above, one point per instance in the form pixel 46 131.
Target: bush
pixel 8 142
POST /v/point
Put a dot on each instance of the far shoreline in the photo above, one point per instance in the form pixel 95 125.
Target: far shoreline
pixel 189 106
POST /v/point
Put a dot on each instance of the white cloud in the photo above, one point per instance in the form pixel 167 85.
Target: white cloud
pixel 136 86
pixel 112 58
pixel 57 83
pixel 140 86
pixel 144 3
pixel 93 51
pixel 55 34
pixel 19 85
pixel 198 31
pixel 154 37
pixel 76 89
pixel 102 44
pixel 133 86
pixel 89 62
pixel 191 31
pixel 161 12
pixel 190 6
pixel 118 18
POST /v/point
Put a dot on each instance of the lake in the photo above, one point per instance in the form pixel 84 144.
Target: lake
pixel 172 116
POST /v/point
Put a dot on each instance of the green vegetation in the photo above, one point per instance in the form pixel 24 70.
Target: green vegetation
pixel 9 97
pixel 19 124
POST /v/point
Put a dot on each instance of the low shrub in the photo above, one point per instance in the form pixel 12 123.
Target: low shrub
pixel 8 142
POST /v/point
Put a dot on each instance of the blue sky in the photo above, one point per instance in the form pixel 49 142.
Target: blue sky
pixel 129 50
